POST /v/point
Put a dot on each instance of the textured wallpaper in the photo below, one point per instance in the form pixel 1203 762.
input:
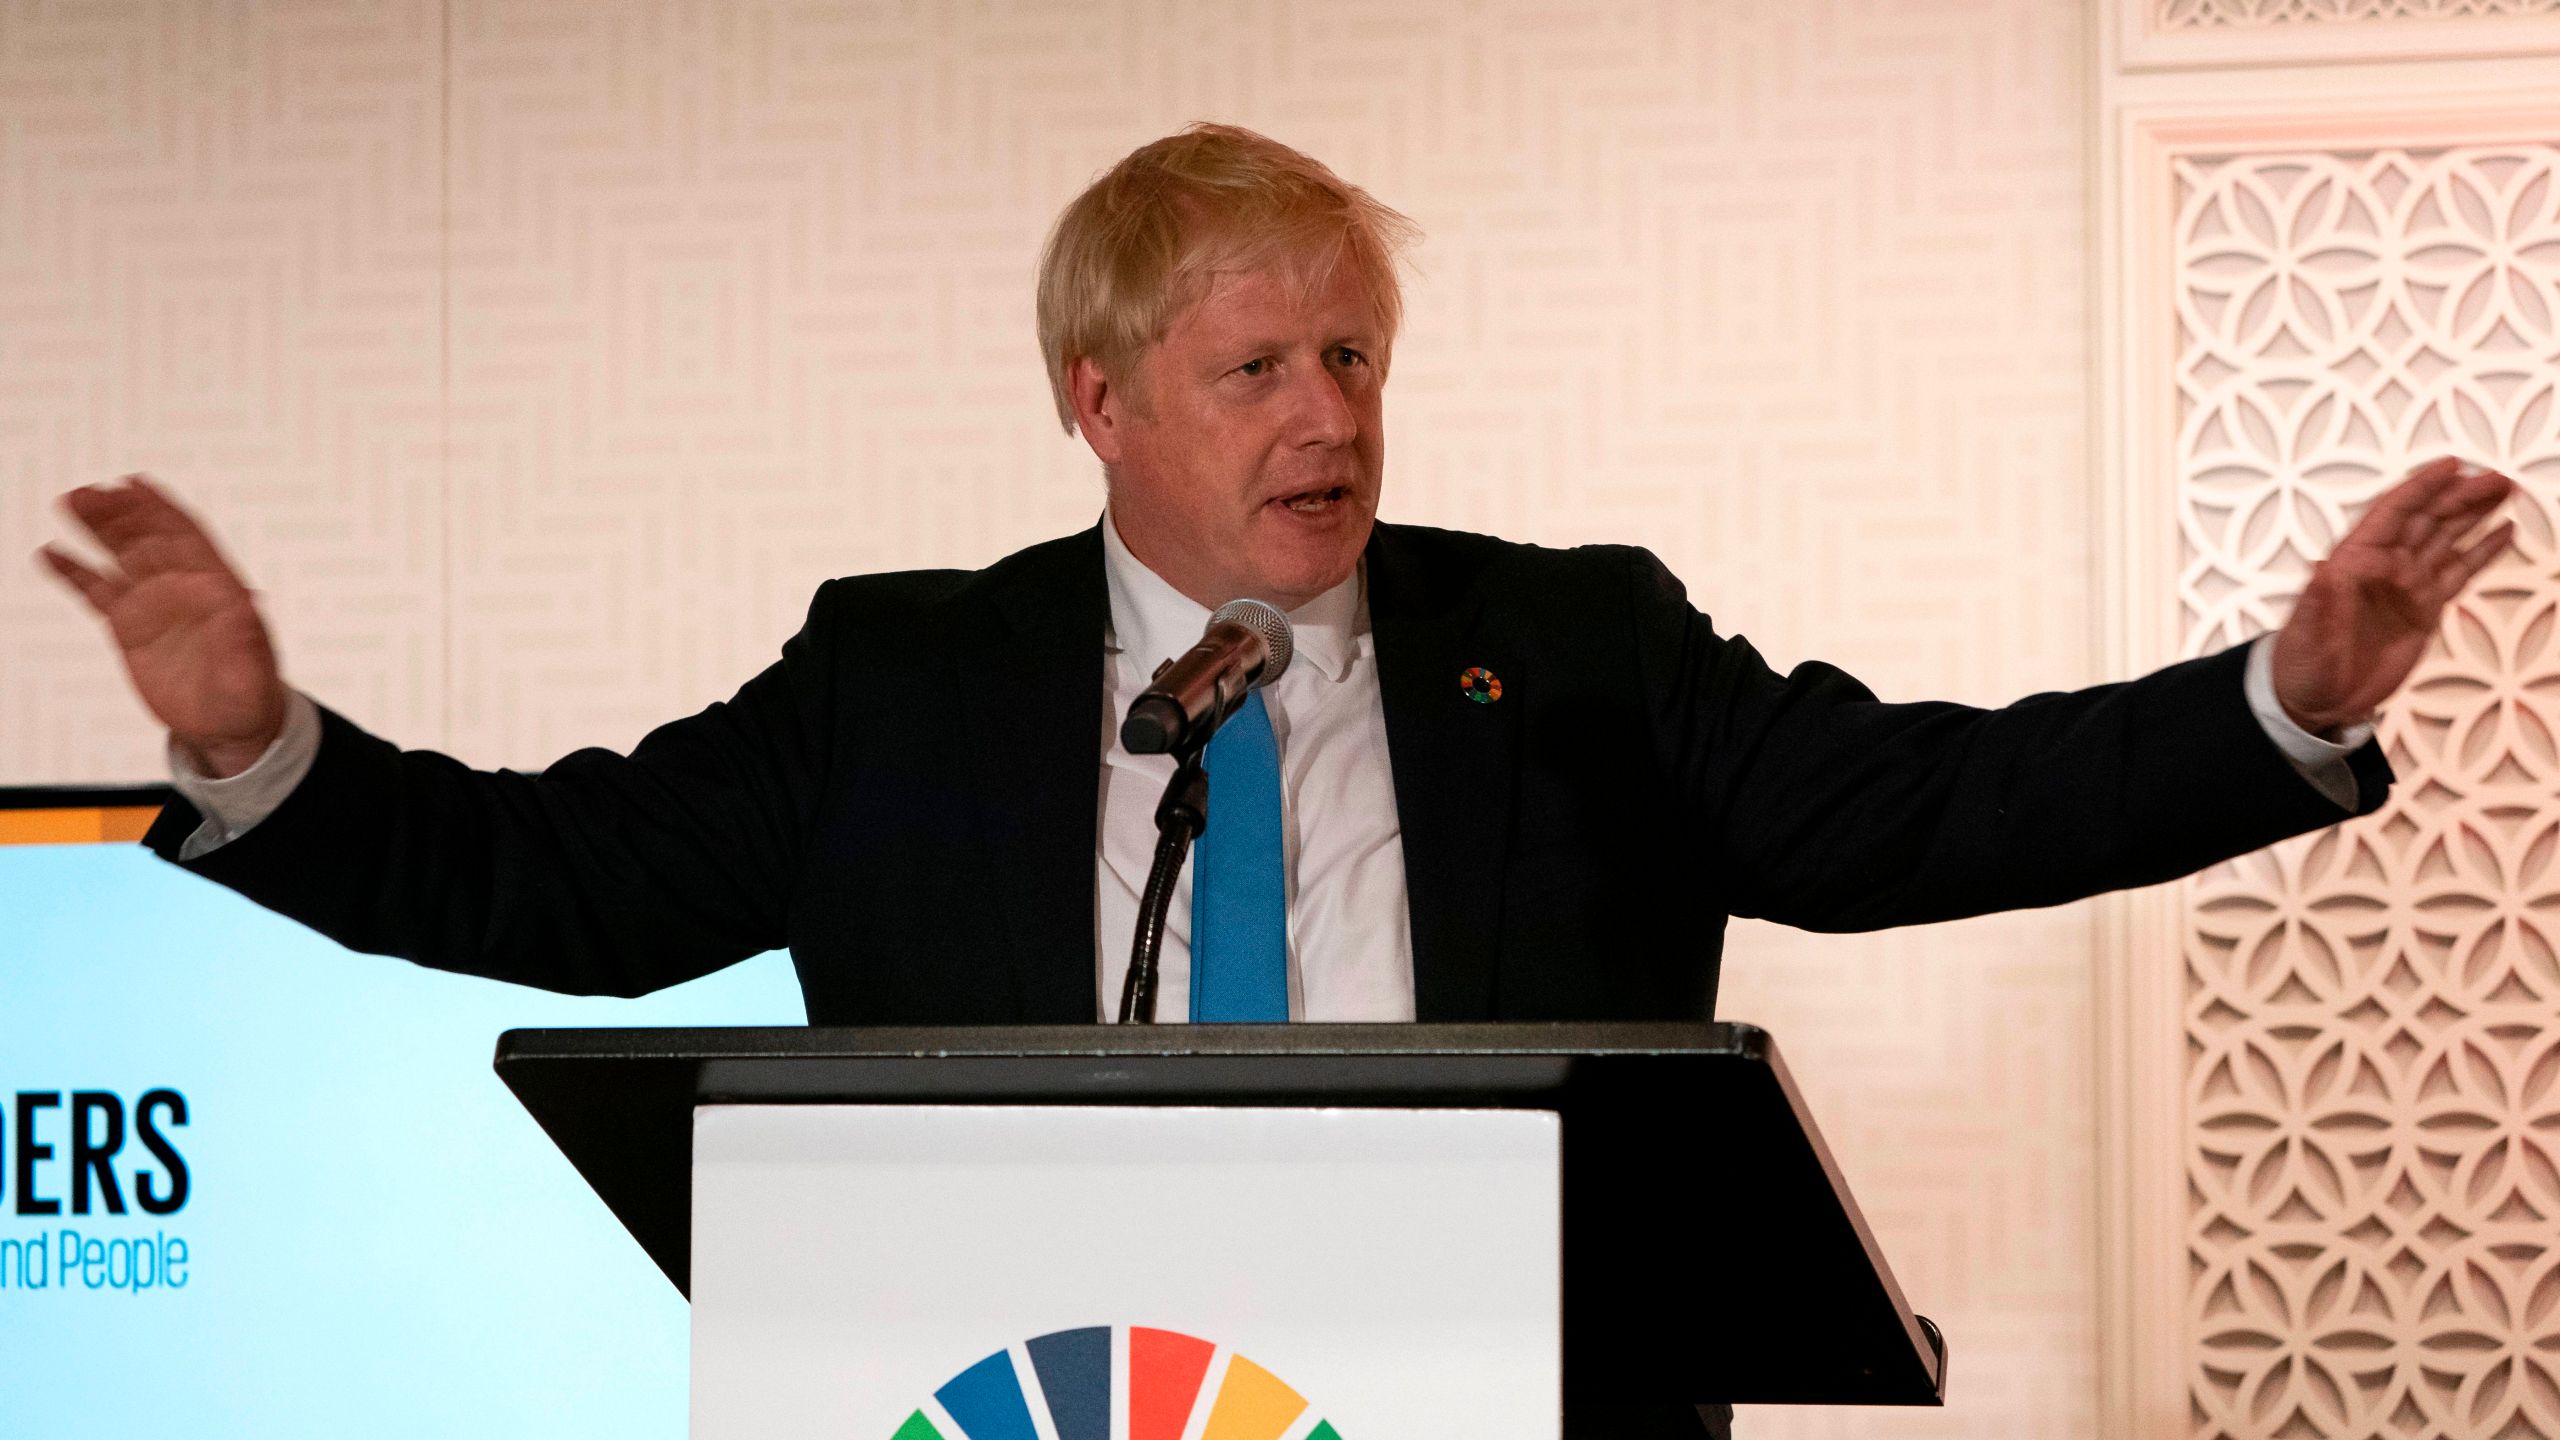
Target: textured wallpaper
pixel 538 360
pixel 221 260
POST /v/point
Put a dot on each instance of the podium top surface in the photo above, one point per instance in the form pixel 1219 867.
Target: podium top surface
pixel 1698 1195
pixel 782 1064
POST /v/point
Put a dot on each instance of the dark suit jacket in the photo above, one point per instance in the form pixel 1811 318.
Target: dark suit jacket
pixel 907 800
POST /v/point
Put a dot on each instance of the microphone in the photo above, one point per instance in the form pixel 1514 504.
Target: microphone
pixel 1246 647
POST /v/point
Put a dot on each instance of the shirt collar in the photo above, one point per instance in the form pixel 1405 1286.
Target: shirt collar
pixel 1157 622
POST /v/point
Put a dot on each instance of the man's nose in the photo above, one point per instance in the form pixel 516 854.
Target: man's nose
pixel 1324 412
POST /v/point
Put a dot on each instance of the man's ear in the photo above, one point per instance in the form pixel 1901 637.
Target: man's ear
pixel 1099 407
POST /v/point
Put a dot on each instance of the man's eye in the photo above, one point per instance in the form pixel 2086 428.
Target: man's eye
pixel 1348 356
pixel 1253 367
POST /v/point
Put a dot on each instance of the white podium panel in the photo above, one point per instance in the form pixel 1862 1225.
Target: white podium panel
pixel 1124 1273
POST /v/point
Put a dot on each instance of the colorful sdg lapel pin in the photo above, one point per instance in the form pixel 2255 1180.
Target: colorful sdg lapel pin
pixel 1480 685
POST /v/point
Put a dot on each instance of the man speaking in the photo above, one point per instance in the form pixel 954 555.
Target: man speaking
pixel 1497 782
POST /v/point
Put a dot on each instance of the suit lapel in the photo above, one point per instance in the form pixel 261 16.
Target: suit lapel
pixel 1038 750
pixel 1455 762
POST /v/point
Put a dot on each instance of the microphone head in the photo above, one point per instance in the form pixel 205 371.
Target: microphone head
pixel 1264 619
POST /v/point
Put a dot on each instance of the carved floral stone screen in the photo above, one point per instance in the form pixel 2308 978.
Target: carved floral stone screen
pixel 2372 1013
pixel 2222 14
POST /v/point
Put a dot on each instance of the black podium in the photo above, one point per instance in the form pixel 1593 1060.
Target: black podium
pixel 1710 1252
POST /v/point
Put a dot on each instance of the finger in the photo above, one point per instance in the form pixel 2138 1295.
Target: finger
pixel 156 501
pixel 2429 522
pixel 151 502
pixel 2438 535
pixel 166 552
pixel 2463 502
pixel 2474 499
pixel 99 590
pixel 2431 537
pixel 126 516
pixel 176 524
pixel 2459 570
pixel 2484 554
pixel 114 515
pixel 99 507
pixel 2387 520
pixel 2475 495
pixel 2460 500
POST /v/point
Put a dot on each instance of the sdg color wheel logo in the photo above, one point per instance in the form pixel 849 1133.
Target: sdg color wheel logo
pixel 1070 1373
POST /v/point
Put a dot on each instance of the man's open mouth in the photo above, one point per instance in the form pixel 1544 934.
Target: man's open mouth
pixel 1313 502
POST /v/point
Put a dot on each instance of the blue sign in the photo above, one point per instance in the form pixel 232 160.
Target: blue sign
pixel 252 1183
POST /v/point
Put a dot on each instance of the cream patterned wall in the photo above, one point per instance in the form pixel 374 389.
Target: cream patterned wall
pixel 220 260
pixel 539 359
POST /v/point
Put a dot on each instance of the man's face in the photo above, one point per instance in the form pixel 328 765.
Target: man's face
pixel 1253 465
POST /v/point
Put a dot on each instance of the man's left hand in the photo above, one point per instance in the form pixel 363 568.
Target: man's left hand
pixel 2368 611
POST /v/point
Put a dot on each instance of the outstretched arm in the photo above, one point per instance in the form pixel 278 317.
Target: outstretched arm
pixel 1827 809
pixel 605 874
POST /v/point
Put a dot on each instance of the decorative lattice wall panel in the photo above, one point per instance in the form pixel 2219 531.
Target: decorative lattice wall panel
pixel 2177 34
pixel 2219 14
pixel 2371 1060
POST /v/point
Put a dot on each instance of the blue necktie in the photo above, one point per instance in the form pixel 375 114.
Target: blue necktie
pixel 1239 917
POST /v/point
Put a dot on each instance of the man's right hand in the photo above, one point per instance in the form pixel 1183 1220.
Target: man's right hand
pixel 190 631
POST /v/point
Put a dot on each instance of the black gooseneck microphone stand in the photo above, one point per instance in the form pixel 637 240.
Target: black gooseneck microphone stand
pixel 1180 817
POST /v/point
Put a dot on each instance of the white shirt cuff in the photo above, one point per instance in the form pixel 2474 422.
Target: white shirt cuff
pixel 232 808
pixel 2321 762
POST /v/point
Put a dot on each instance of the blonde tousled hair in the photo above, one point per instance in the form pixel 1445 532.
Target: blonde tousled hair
pixel 1145 241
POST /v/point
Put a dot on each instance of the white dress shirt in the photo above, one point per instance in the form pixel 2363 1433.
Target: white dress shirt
pixel 1350 940
pixel 1350 943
